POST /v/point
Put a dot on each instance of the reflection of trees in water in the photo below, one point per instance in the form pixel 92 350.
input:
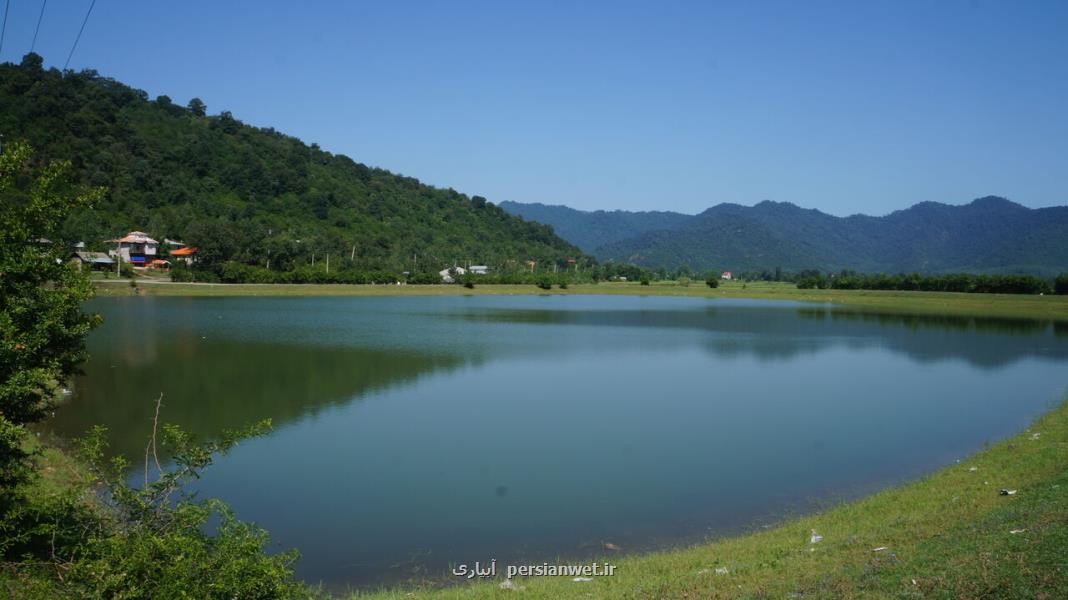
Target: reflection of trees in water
pixel 782 333
pixel 217 385
pixel 215 382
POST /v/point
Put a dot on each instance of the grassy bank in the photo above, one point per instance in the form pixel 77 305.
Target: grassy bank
pixel 1001 305
pixel 949 535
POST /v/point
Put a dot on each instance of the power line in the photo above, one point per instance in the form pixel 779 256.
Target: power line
pixel 39 18
pixel 87 13
pixel 3 30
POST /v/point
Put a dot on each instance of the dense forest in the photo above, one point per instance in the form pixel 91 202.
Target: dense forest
pixel 989 235
pixel 589 230
pixel 249 197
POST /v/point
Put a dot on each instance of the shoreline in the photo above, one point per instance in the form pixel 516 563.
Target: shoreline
pixel 950 533
pixel 948 303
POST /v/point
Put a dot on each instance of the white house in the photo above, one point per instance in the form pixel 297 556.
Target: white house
pixel 136 248
pixel 478 269
pixel 726 275
pixel 446 276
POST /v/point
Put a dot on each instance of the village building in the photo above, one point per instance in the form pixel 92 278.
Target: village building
pixel 94 261
pixel 185 254
pixel 447 274
pixel 726 275
pixel 135 248
pixel 478 269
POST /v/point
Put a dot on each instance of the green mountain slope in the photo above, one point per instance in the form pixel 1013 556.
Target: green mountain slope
pixel 591 230
pixel 243 193
pixel 989 235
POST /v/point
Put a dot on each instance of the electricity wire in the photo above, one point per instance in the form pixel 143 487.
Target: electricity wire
pixel 86 20
pixel 44 3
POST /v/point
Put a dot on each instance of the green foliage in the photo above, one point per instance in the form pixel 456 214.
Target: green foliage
pixel 644 279
pixel 250 196
pixel 989 235
pixel 712 281
pixel 154 541
pixel 961 282
pixel 42 326
pixel 545 282
pixel 1060 285
pixel 591 230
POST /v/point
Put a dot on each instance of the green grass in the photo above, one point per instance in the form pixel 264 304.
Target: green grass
pixel 1001 305
pixel 946 536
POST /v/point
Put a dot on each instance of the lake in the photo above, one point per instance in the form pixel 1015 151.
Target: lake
pixel 415 432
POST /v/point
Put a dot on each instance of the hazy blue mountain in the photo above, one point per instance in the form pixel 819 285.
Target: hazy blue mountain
pixel 988 235
pixel 590 230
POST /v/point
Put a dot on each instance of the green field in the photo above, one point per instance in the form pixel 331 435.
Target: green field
pixel 949 535
pixel 999 305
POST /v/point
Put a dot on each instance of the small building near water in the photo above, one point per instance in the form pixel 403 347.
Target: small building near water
pixel 94 261
pixel 135 248
pixel 185 254
pixel 447 274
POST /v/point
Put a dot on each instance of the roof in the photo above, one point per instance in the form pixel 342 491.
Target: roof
pixel 187 251
pixel 159 261
pixel 135 237
pixel 94 257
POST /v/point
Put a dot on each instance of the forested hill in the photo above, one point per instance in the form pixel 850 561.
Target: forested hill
pixel 591 230
pixel 988 235
pixel 243 193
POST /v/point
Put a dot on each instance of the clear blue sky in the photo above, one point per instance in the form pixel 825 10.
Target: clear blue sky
pixel 843 106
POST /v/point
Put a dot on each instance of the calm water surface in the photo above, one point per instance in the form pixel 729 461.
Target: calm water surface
pixel 415 432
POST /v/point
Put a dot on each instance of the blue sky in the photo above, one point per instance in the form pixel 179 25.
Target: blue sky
pixel 843 106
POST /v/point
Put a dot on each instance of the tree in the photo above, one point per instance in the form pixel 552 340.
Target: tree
pixel 712 281
pixel 197 107
pixel 1060 285
pixel 42 324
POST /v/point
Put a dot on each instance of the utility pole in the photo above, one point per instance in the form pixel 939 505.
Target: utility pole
pixel 328 262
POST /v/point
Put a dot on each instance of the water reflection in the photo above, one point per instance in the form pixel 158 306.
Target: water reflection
pixel 411 432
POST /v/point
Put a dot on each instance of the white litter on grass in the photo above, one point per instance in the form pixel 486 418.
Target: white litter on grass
pixel 816 538
pixel 973 469
pixel 722 571
pixel 1015 531
pixel 583 579
pixel 1008 492
pixel 879 549
pixel 508 585
pixel 1035 436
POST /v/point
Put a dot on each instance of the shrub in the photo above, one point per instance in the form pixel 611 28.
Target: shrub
pixel 712 281
pixel 1060 285
pixel 544 283
pixel 645 279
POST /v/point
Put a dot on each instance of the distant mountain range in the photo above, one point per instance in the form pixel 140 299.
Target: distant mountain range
pixel 988 235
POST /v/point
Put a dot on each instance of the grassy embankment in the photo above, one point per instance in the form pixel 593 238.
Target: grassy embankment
pixel 994 305
pixel 948 535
